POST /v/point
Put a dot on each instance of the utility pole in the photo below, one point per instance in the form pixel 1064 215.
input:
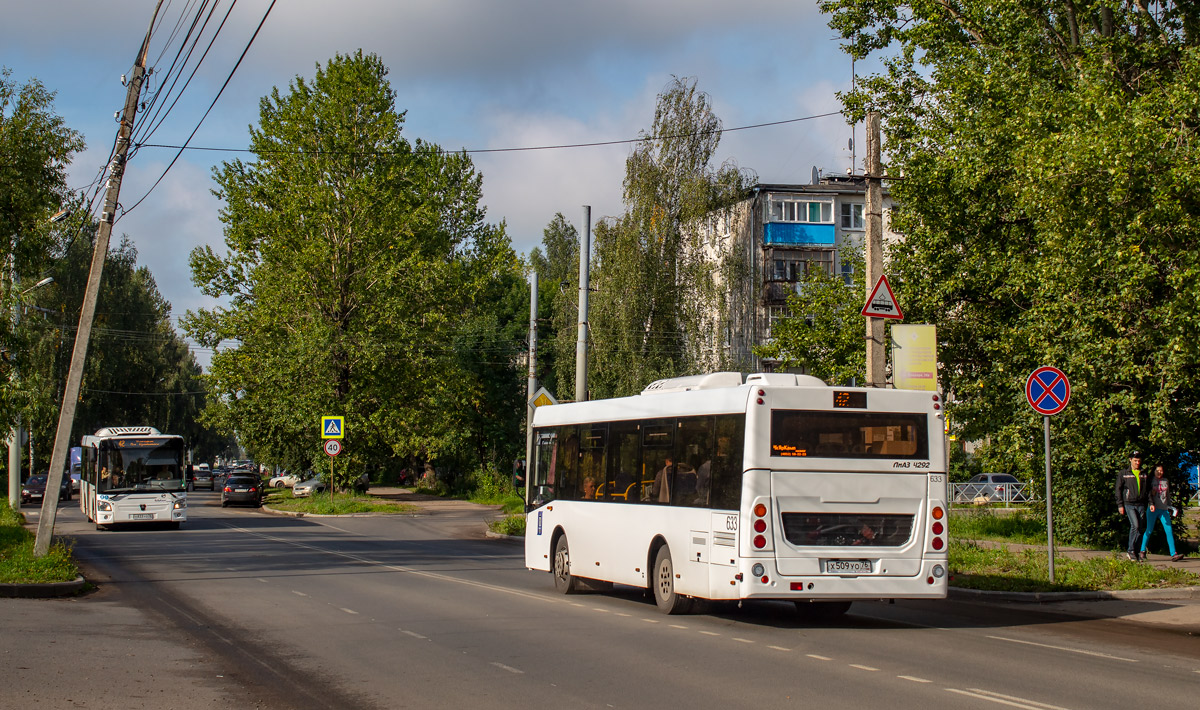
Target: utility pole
pixel 585 253
pixel 14 437
pixel 66 415
pixel 532 385
pixel 876 355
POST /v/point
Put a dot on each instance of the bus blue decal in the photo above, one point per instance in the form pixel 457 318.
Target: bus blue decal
pixel 539 522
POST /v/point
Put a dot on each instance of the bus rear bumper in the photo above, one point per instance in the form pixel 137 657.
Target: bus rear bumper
pixel 931 583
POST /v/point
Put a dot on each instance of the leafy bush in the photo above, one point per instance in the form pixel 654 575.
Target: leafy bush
pixel 509 525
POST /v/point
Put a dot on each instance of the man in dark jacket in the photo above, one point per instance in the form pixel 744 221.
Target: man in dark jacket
pixel 1132 488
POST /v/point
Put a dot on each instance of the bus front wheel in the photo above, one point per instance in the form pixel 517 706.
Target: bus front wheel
pixel 564 581
pixel 663 585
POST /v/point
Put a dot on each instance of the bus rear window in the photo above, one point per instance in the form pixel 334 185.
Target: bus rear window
pixel 849 435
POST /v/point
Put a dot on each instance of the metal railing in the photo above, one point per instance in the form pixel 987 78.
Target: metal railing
pixel 1007 494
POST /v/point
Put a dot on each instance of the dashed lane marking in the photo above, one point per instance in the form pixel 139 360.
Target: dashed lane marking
pixel 1096 654
pixel 510 669
pixel 299 593
pixel 914 679
pixel 710 633
pixel 819 658
pixel 349 611
pixel 677 626
pixel 779 648
pixel 414 634
pixel 263 580
pixel 651 621
pixel 863 668
pixel 735 638
pixel 1010 700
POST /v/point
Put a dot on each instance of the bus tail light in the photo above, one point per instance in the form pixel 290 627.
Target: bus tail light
pixel 936 529
pixel 760 522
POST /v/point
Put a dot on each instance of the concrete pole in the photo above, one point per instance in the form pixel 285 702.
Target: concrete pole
pixel 876 355
pixel 585 252
pixel 14 435
pixel 532 385
pixel 66 414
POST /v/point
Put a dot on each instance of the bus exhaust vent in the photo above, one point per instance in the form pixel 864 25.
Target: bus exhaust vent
pixel 128 431
pixel 711 381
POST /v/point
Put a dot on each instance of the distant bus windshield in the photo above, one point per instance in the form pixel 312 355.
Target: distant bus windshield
pixel 849 434
pixel 143 464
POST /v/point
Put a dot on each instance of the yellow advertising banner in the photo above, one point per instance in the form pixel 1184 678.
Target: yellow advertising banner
pixel 914 357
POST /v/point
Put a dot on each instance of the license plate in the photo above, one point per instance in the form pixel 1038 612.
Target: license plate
pixel 142 516
pixel 848 566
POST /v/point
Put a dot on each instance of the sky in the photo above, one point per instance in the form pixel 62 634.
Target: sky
pixel 471 74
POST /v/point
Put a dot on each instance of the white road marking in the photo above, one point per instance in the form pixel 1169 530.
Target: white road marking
pixel 710 633
pixel 779 648
pixel 914 679
pixel 621 613
pixel 735 638
pixel 1097 654
pixel 263 580
pixel 510 669
pixel 602 611
pixel 863 668
pixel 414 634
pixel 677 626
pixel 300 593
pixel 1002 699
pixel 819 658
pixel 651 621
pixel 349 611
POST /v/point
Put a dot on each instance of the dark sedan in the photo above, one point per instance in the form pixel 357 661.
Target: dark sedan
pixel 244 490
pixel 34 488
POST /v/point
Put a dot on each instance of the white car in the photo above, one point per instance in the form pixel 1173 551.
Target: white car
pixel 307 488
pixel 283 479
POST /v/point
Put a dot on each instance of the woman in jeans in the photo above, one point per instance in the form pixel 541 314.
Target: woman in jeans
pixel 1160 509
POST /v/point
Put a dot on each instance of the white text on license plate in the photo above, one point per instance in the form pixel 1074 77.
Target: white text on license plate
pixel 848 566
pixel 142 516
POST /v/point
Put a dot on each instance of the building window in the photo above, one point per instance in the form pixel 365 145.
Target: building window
pixel 852 216
pixel 847 273
pixel 794 264
pixel 774 315
pixel 801 211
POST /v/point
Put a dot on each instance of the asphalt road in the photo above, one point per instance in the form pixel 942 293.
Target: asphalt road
pixel 244 609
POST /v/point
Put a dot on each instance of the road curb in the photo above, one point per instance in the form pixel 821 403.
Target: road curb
pixel 43 591
pixel 506 538
pixel 296 514
pixel 1166 594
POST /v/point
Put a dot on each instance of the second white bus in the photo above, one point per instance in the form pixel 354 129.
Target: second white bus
pixel 778 488
pixel 133 475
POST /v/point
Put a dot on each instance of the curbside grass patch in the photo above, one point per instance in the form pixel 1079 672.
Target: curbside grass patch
pixel 1001 569
pixel 17 563
pixel 343 504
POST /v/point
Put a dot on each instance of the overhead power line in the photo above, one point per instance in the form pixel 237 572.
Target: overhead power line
pixel 473 151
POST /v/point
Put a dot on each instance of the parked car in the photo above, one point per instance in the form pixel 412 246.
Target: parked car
pixel 34 488
pixel 992 488
pixel 245 490
pixel 283 479
pixel 75 479
pixel 202 477
pixel 309 487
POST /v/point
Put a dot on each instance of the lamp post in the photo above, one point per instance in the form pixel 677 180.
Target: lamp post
pixel 16 434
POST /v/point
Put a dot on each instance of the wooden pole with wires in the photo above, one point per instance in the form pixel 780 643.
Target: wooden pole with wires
pixel 876 355
pixel 66 415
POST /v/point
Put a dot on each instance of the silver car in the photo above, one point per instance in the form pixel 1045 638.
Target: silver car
pixel 312 486
pixel 992 488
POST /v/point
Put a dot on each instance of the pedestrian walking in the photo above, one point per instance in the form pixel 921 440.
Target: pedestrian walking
pixel 1160 509
pixel 1132 492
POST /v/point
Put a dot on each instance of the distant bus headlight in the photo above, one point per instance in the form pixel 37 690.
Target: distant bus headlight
pixel 104 505
pixel 179 504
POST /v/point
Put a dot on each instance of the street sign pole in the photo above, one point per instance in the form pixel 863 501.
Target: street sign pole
pixel 1048 392
pixel 1049 502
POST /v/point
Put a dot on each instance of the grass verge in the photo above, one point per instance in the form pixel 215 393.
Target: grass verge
pixel 343 504
pixel 999 569
pixel 509 525
pixel 983 524
pixel 17 563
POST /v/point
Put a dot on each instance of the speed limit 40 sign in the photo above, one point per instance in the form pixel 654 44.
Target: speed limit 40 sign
pixel 333 447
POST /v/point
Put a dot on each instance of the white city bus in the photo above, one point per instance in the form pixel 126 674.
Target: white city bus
pixel 133 475
pixel 778 488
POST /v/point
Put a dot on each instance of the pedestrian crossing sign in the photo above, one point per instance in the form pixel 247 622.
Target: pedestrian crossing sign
pixel 333 427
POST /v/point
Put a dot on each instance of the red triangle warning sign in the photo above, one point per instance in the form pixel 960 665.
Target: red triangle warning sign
pixel 882 302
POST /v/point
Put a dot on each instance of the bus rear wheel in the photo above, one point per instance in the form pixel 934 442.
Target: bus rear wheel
pixel 564 581
pixel 662 583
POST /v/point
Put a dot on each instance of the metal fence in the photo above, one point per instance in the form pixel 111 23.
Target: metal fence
pixel 1006 494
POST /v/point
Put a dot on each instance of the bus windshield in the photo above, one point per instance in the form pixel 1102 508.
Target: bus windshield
pixel 142 465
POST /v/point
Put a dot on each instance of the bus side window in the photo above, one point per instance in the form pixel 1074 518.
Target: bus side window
pixel 568 462
pixel 542 478
pixel 624 462
pixel 658 460
pixel 593 442
pixel 693 476
pixel 726 491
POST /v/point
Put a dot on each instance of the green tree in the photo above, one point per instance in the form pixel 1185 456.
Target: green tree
pixel 557 265
pixel 360 273
pixel 658 310
pixel 1050 210
pixel 35 148
pixel 823 332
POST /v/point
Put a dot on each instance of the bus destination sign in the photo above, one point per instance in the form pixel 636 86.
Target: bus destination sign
pixel 849 400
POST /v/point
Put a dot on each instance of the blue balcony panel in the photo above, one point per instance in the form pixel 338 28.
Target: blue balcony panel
pixel 791 233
